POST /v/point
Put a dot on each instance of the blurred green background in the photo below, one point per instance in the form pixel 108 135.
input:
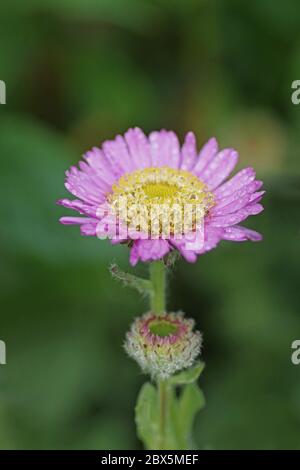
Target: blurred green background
pixel 78 72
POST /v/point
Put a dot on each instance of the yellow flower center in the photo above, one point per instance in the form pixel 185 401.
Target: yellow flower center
pixel 160 201
pixel 159 190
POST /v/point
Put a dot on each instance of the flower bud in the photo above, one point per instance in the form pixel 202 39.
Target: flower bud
pixel 163 345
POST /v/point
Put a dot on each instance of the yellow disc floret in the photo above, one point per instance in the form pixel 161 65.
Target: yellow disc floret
pixel 160 199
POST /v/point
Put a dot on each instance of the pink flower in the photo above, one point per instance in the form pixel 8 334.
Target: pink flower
pixel 155 171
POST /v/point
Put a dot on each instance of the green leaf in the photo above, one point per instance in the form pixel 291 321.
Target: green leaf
pixel 171 434
pixel 179 417
pixel 188 376
pixel 143 286
pixel 146 415
pixel 190 402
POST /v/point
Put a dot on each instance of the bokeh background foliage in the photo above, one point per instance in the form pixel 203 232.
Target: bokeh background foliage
pixel 78 72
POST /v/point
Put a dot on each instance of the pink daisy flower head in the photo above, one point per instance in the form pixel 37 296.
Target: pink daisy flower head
pixel 157 196
pixel 163 345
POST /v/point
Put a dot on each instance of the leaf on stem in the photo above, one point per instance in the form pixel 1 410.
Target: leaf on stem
pixel 190 402
pixel 146 415
pixel 143 286
pixel 188 376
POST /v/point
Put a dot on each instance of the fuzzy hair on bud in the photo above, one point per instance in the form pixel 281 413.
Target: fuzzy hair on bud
pixel 163 345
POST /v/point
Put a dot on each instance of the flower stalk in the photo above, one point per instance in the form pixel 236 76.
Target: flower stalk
pixel 158 306
pixel 163 387
pixel 164 343
pixel 158 281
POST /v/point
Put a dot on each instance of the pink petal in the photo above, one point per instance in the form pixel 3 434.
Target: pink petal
pixel 165 149
pixel 83 186
pixel 189 255
pixel 242 178
pixel 251 234
pixel 219 168
pixel 148 250
pixel 75 220
pixel 155 139
pixel 239 234
pixel 212 236
pixel 248 189
pixel 89 230
pixel 100 166
pixel 232 219
pixel 79 206
pixel 234 206
pixel 139 147
pixel 117 153
pixel 188 151
pixel 206 154
pixel 238 200
pixel 256 197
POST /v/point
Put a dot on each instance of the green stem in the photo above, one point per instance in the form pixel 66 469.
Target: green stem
pixel 163 403
pixel 158 306
pixel 158 280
